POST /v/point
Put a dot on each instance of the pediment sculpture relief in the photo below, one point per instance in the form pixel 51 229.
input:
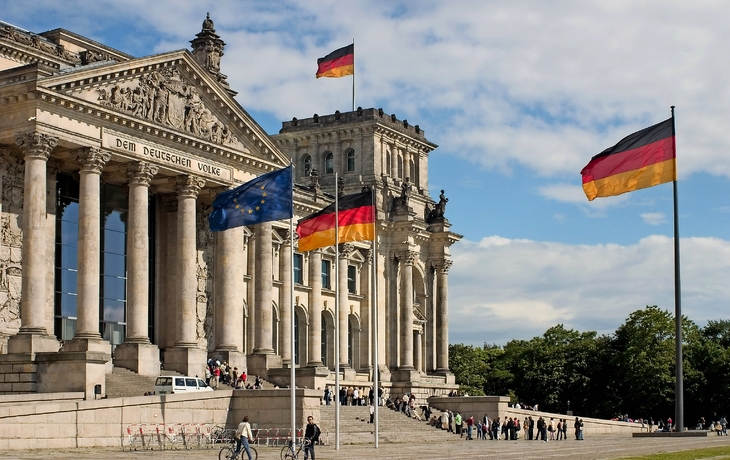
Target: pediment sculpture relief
pixel 162 96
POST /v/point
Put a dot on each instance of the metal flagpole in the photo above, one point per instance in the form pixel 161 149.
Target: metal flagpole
pixel 353 74
pixel 374 303
pixel 337 316
pixel 679 374
pixel 291 316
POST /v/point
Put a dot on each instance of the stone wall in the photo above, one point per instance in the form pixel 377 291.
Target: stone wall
pixel 62 424
pixel 498 406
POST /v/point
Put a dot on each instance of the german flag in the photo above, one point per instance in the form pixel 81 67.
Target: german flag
pixel 356 222
pixel 641 160
pixel 338 63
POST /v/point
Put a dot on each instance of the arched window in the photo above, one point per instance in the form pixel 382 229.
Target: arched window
pixel 329 163
pixel 412 172
pixel 388 163
pixel 400 167
pixel 307 165
pixel 350 156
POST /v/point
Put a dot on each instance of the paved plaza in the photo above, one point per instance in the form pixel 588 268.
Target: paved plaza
pixel 599 447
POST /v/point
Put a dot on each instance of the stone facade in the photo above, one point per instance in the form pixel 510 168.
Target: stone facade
pixel 108 168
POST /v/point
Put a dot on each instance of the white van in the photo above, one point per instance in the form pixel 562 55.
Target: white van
pixel 169 384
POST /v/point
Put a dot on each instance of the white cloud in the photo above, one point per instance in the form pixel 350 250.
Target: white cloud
pixel 654 218
pixel 502 289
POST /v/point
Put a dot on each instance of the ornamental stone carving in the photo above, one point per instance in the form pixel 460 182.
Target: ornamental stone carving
pixel 12 185
pixel 346 250
pixel 441 265
pixel 164 97
pixel 39 43
pixel 187 186
pixel 406 257
pixel 91 159
pixel 36 145
pixel 140 173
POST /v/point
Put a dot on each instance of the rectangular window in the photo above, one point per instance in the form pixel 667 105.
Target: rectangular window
pixel 326 274
pixel 298 263
pixel 351 284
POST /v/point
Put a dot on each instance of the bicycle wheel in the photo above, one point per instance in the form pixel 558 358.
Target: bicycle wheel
pixel 287 453
pixel 254 454
pixel 226 453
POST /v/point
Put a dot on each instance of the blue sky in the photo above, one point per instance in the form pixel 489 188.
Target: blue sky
pixel 519 95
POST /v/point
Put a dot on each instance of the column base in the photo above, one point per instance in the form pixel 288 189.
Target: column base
pixel 447 374
pixel 407 374
pixel 187 361
pixel 33 343
pixel 142 358
pixel 259 364
pixel 234 358
pixel 312 378
pixel 81 369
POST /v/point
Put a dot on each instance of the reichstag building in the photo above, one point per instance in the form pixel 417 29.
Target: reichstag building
pixel 109 165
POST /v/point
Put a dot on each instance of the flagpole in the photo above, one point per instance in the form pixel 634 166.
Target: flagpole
pixel 337 316
pixel 353 74
pixel 291 316
pixel 374 303
pixel 679 376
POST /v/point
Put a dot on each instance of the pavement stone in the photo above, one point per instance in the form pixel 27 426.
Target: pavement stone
pixel 594 448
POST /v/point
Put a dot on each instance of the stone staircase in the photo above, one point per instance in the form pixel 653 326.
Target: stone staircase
pixel 123 383
pixel 393 427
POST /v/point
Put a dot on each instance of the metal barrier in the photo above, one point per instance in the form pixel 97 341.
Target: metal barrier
pixel 198 435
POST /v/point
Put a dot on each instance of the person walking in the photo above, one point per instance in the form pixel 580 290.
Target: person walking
pixel 243 437
pixel 311 434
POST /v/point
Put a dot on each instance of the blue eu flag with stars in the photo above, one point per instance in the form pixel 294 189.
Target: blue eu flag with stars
pixel 266 198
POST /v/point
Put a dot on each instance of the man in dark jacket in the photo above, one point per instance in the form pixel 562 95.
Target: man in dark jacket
pixel 311 434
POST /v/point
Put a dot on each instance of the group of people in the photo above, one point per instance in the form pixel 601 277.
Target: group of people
pixel 352 396
pixel 508 429
pixel 221 373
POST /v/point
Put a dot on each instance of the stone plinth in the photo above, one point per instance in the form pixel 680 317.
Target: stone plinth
pixel 260 364
pixel 272 408
pixel 233 358
pixel 306 377
pixel 33 343
pixel 142 358
pixel 71 371
pixel 187 361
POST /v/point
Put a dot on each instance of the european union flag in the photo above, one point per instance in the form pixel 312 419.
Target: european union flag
pixel 266 198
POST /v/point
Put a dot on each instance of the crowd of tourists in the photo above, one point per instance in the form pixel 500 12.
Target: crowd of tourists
pixel 221 373
pixel 509 429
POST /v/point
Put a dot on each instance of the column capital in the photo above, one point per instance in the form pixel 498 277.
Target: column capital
pixel 346 250
pixel 216 190
pixel 90 159
pixel 369 254
pixel 407 257
pixel 187 186
pixel 140 173
pixel 36 145
pixel 440 265
pixel 169 201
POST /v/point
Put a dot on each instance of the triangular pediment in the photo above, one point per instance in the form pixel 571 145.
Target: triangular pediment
pixel 172 92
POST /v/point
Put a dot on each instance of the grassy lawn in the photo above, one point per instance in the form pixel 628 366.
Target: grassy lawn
pixel 709 453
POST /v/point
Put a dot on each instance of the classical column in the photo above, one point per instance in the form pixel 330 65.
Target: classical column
pixel 346 251
pixel 170 306
pixel 263 357
pixel 137 353
pixel 394 161
pixel 91 161
pixel 138 278
pixel 419 349
pixel 315 309
pixel 186 357
pixel 442 315
pixel 228 296
pixel 33 335
pixel 188 188
pixel 406 258
pixel 287 321
pixel 251 291
pixel 263 285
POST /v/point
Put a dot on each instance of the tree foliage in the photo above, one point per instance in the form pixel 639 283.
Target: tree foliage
pixel 631 371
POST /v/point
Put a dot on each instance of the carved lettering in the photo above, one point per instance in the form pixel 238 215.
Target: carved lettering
pixel 167 157
pixel 126 145
pixel 209 169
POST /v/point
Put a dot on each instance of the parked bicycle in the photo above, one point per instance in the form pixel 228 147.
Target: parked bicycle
pixel 292 449
pixel 226 453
